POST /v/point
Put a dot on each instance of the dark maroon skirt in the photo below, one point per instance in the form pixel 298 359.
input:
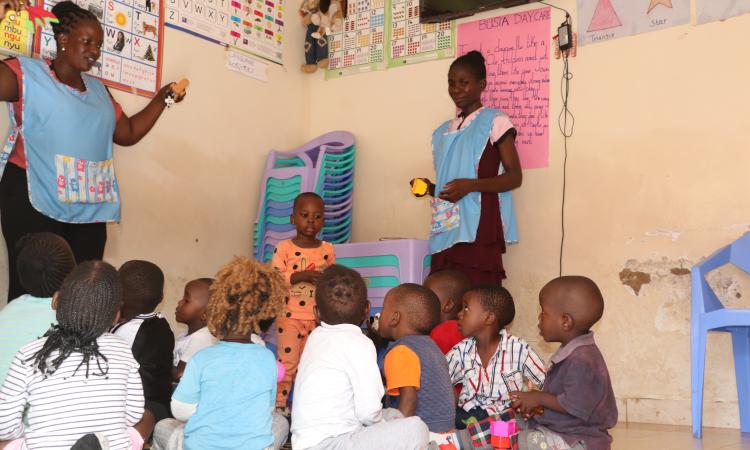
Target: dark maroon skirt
pixel 481 260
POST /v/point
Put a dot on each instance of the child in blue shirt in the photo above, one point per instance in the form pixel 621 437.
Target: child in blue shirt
pixel 43 262
pixel 228 391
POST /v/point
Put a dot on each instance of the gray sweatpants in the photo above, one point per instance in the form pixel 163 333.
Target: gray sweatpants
pixel 395 432
pixel 169 434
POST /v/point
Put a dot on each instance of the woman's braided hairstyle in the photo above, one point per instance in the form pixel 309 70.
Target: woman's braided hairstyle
pixel 69 14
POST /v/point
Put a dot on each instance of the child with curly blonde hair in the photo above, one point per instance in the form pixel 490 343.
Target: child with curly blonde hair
pixel 234 381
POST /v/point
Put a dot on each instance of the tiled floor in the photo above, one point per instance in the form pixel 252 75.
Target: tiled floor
pixel 640 436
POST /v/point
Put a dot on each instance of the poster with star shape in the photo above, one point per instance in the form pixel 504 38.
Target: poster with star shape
pixel 713 10
pixel 604 20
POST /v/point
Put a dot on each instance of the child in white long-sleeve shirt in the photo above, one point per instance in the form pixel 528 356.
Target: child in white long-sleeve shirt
pixel 338 388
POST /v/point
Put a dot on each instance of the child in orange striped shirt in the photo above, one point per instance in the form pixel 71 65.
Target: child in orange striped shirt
pixel 301 260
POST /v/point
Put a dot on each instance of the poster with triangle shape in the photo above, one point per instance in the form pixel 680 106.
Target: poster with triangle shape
pixel 604 20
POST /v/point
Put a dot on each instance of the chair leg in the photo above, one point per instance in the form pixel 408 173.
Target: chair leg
pixel 697 364
pixel 741 349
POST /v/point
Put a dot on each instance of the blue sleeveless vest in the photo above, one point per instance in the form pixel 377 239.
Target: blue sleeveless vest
pixel 456 154
pixel 435 402
pixel 68 142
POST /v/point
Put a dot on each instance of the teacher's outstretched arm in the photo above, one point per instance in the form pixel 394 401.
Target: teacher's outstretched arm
pixel 130 130
pixel 509 180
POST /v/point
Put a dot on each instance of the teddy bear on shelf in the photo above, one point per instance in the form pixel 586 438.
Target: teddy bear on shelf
pixel 321 17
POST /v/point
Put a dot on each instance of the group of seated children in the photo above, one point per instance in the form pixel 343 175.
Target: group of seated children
pixel 102 375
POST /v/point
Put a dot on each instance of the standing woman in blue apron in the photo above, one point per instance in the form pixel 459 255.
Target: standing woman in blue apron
pixel 58 172
pixel 475 159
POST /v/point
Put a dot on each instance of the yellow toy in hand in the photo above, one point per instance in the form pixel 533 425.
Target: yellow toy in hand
pixel 420 186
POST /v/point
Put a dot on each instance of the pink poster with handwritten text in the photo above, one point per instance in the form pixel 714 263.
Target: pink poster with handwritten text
pixel 516 49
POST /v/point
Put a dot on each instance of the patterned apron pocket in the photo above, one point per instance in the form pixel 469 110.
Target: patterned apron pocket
pixel 82 181
pixel 446 216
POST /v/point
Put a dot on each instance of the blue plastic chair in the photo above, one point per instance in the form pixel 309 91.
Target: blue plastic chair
pixel 708 314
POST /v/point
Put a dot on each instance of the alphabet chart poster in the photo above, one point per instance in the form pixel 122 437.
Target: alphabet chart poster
pixel 412 42
pixel 360 46
pixel 207 19
pixel 516 48
pixel 131 54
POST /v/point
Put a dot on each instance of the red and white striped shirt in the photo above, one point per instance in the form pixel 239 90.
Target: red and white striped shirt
pixel 513 363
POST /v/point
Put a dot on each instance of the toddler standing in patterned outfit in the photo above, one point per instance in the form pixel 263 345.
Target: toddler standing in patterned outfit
pixel 301 260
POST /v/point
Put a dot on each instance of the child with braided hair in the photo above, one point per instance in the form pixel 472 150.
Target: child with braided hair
pixel 228 390
pixel 78 379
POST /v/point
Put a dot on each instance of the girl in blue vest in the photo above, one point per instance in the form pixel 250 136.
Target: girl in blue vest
pixel 475 159
pixel 58 172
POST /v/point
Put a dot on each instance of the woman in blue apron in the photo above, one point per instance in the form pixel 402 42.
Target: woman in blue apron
pixel 475 159
pixel 58 173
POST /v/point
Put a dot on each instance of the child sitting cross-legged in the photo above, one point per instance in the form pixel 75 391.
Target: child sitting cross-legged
pixel 78 379
pixel 490 363
pixel 338 388
pixel 416 372
pixel 148 333
pixel 43 262
pixel 577 400
pixel 449 286
pixel 228 391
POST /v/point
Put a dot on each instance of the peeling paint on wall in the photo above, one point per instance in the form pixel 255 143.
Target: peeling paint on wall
pixel 634 279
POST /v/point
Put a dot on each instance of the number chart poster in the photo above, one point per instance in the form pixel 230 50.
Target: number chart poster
pixel 131 54
pixel 516 48
pixel 380 34
pixel 413 42
pixel 253 26
pixel 360 46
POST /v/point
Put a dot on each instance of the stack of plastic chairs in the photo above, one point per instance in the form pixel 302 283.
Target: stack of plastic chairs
pixel 325 166
pixel 386 264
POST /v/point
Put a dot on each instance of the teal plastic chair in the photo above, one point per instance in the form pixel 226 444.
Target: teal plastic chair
pixel 709 314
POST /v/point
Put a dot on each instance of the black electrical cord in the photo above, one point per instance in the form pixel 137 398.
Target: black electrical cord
pixel 565 122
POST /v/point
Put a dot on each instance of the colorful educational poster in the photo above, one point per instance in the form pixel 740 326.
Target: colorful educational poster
pixel 257 27
pixel 516 48
pixel 361 45
pixel 712 10
pixel 253 26
pixel 412 42
pixel 207 19
pixel 16 38
pixel 604 20
pixel 131 54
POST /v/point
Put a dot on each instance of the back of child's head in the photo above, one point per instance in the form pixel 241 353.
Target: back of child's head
pixel 580 297
pixel 43 262
pixel 306 196
pixel 449 284
pixel 244 294
pixel 421 307
pixel 341 296
pixel 142 285
pixel 497 300
pixel 87 305
pixel 474 61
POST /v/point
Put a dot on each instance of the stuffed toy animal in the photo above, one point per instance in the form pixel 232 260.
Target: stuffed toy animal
pixel 329 18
